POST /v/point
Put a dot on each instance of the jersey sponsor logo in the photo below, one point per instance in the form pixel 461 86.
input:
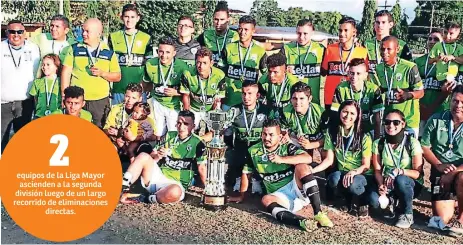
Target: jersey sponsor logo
pixel 133 59
pixel 309 70
pixel 278 176
pixel 236 73
pixel 335 68
pixel 261 117
pixel 178 164
pixel 197 98
pixel 281 105
pixel 432 84
pixel 443 129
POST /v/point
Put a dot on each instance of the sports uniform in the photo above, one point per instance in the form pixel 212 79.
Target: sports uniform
pixel 307 125
pixel 186 52
pixel 278 95
pixel 374 53
pixel 369 99
pixel 131 50
pixel 279 179
pixel 83 114
pixel 403 75
pixel 306 61
pixel 179 166
pixel 217 44
pixel 48 95
pixel 243 64
pixel 202 93
pixel 165 108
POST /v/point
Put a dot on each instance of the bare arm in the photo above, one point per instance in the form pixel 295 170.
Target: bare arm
pixel 65 78
pixel 377 128
pixel 186 101
pixel 111 76
pixel 417 162
pixel 378 169
pixel 202 172
pixel 328 161
pixel 303 158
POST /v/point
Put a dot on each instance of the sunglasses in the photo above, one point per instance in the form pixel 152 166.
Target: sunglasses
pixel 395 122
pixel 16 31
pixel 435 39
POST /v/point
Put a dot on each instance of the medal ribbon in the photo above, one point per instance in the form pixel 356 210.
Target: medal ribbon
pixel 344 64
pixel 389 82
pixel 299 125
pixel 204 88
pixel 452 135
pixel 169 74
pixel 93 59
pixel 345 148
pixel 219 49
pixel 394 160
pixel 301 63
pixel 282 90
pixel 361 94
pixel 246 56
pixel 426 72
pixel 249 128
pixel 445 49
pixel 49 93
pixel 129 45
pixel 377 53
pixel 12 56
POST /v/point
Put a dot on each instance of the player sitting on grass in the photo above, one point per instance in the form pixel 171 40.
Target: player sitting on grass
pixel 285 171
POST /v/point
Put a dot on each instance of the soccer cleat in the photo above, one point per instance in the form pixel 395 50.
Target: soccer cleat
pixel 308 225
pixel 323 219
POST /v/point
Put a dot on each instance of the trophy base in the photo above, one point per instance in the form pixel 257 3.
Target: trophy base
pixel 214 203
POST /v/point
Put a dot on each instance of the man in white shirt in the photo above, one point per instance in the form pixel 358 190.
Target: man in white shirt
pixel 20 61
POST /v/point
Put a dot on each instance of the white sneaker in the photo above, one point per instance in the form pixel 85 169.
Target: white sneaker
pixel 256 186
pixel 237 184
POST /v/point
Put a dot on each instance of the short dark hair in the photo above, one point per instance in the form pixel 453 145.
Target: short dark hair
pixel 397 111
pixel 73 92
pixel 277 59
pixel 452 24
pixel 222 6
pixel 185 113
pixel 130 7
pixel 391 38
pixel 15 21
pixel 384 13
pixel 62 18
pixel 184 17
pixel 248 83
pixel 357 62
pixel 146 108
pixel 134 87
pixel 167 40
pixel 204 52
pixel 457 89
pixel 305 22
pixel 301 87
pixel 270 122
pixel 247 19
pixel 348 20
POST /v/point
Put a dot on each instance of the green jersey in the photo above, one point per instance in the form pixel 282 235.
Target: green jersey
pixel 132 51
pixel 203 93
pixel 243 64
pixel 374 54
pixel 278 95
pixel 306 62
pixel 165 76
pixel 49 46
pixel 48 94
pixel 274 175
pixel 443 68
pixel 369 98
pixel 307 125
pixel 83 114
pixel 217 44
pixel 401 157
pixel 437 134
pixel 349 157
pixel 403 75
pixel 184 158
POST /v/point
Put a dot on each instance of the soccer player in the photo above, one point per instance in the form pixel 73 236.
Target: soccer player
pixel 170 170
pixel 74 103
pixel 162 78
pixel 337 57
pixel 203 86
pixel 277 82
pixel 401 83
pixel 442 143
pixel 245 60
pixel 383 28
pixel 132 47
pixel 185 45
pixel 429 104
pixel 216 39
pixel 288 180
pixel 304 57
pixel 367 94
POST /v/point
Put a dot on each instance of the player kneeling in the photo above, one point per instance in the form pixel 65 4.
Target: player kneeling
pixel 169 170
pixel 286 175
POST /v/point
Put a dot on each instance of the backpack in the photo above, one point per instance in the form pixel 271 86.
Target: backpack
pixel 407 144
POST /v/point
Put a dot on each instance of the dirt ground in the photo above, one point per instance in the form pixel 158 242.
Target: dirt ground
pixel 188 222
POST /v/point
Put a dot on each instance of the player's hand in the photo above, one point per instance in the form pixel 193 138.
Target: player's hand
pixel 304 142
pixel 112 131
pixel 389 182
pixel 448 58
pixel 275 158
pixel 170 92
pixel 290 69
pixel 236 199
pixel 402 95
pixel 285 138
pixel 96 71
pixel 162 152
pixel 382 190
pixel 348 178
pixel 449 86
pixel 446 168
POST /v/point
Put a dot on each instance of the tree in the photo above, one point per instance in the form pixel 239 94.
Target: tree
pixel 265 12
pixel 30 11
pixel 366 27
pixel 400 22
pixel 108 12
pixel 209 7
pixel 160 17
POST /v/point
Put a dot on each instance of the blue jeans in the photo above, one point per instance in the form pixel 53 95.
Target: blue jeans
pixel 357 188
pixel 405 190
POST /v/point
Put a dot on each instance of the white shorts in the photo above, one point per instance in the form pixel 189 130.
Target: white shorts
pixel 165 118
pixel 158 181
pixel 292 197
pixel 198 117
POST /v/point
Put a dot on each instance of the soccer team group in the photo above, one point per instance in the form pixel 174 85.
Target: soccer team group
pixel 372 111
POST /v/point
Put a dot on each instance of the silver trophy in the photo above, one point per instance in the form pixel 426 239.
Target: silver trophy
pixel 214 195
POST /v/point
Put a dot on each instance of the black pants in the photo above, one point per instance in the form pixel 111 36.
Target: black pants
pixel 15 115
pixel 99 110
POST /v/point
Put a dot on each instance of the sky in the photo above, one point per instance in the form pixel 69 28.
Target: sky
pixel 352 8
